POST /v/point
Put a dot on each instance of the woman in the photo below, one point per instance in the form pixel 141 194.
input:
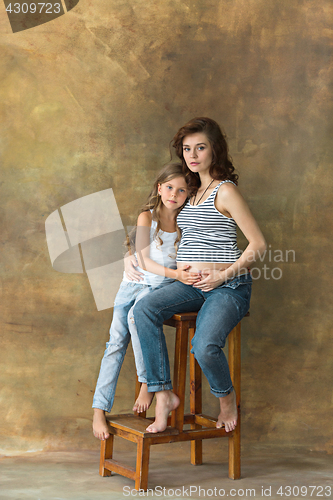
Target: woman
pixel 208 250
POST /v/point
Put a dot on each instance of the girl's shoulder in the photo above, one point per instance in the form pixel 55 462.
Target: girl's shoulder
pixel 145 219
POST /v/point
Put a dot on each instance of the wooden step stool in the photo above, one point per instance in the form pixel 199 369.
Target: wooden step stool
pixel 133 427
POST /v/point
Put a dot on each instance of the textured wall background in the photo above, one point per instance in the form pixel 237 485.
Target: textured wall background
pixel 90 101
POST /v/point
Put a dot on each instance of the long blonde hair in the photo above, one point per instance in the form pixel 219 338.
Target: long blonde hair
pixel 154 203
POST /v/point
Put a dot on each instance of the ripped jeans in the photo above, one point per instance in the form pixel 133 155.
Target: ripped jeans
pixel 121 331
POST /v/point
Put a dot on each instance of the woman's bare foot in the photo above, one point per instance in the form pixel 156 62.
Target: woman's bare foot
pixel 228 414
pixel 143 400
pixel 166 401
pixel 100 427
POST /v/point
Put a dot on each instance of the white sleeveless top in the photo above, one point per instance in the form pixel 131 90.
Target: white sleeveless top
pixel 161 254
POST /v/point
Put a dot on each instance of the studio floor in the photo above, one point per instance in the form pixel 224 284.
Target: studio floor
pixel 266 472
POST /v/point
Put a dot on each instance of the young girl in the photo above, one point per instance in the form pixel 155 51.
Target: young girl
pixel 157 238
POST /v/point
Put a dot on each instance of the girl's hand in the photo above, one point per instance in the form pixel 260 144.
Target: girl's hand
pixel 130 264
pixel 186 276
pixel 210 279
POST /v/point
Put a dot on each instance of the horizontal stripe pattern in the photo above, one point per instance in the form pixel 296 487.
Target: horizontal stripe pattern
pixel 207 235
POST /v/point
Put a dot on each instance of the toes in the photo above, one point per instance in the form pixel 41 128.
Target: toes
pixel 102 436
pixel 230 426
pixel 151 428
pixel 139 408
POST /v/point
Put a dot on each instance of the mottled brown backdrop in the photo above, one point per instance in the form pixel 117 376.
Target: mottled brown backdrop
pixel 90 101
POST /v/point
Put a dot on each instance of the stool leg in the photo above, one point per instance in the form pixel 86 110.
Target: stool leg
pixel 106 453
pixel 234 359
pixel 142 464
pixel 235 451
pixel 179 378
pixel 195 403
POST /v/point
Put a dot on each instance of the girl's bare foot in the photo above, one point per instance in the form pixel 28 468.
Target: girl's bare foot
pixel 166 401
pixel 144 399
pixel 100 427
pixel 228 414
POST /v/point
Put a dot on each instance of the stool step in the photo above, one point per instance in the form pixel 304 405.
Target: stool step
pixel 133 428
pixel 118 468
pixel 136 425
pixel 205 420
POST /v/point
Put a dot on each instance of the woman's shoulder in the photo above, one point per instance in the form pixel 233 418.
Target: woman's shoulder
pixel 227 183
pixel 227 188
pixel 227 195
pixel 145 218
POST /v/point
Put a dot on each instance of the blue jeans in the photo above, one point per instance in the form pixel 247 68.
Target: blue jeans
pixel 121 331
pixel 220 310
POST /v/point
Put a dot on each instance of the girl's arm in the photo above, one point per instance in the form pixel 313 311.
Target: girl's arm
pixel 143 254
pixel 230 202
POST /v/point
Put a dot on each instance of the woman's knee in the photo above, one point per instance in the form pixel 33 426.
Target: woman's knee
pixel 140 308
pixel 145 313
pixel 205 351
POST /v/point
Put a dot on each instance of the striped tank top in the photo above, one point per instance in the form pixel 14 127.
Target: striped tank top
pixel 207 235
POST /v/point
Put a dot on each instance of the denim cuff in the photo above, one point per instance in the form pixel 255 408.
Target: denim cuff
pixel 101 407
pixel 142 380
pixel 159 386
pixel 222 394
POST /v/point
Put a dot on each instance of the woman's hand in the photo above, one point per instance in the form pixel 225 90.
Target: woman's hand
pixel 130 264
pixel 210 279
pixel 186 276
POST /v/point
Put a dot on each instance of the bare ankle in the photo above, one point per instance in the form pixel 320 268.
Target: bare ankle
pixel 99 412
pixel 100 426
pixel 166 401
pixel 144 399
pixel 228 412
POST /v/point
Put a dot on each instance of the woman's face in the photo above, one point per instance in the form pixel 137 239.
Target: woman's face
pixel 197 152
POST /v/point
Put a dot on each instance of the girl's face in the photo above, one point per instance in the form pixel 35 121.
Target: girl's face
pixel 173 193
pixel 197 152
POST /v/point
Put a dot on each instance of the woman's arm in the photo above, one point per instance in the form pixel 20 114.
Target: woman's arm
pixel 130 264
pixel 143 254
pixel 231 203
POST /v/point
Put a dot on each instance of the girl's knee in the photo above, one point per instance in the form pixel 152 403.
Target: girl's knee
pixel 130 316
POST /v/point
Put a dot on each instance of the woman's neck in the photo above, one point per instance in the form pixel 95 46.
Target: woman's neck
pixel 205 179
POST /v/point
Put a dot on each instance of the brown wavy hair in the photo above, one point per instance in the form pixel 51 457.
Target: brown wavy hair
pixel 154 202
pixel 221 167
